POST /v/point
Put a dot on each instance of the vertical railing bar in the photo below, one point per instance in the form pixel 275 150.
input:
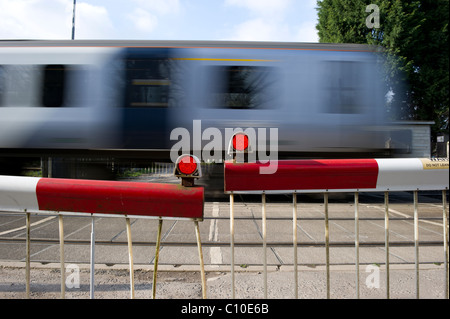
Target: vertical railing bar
pixel 357 242
pixel 264 233
pixel 386 240
pixel 232 243
pixel 92 257
pixel 416 240
pixel 294 232
pixel 155 266
pixel 445 233
pixel 130 257
pixel 200 256
pixel 27 257
pixel 61 257
pixel 327 244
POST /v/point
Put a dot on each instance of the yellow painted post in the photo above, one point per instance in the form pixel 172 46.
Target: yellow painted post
pixel 27 258
pixel 61 257
pixel 327 244
pixel 200 256
pixel 294 232
pixel 130 257
pixel 155 268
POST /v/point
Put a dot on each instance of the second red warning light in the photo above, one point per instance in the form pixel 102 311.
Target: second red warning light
pixel 240 142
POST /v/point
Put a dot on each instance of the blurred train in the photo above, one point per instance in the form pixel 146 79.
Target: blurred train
pixel 122 99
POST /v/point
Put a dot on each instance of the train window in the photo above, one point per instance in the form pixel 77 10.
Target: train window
pixel 147 83
pixel 240 87
pixel 53 85
pixel 343 86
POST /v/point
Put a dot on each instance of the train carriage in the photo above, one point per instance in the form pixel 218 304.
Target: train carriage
pixel 122 99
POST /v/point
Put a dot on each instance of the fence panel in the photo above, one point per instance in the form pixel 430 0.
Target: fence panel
pixel 340 175
pixel 161 201
pixel 102 198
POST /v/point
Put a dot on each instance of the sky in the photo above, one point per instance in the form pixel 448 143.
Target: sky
pixel 238 20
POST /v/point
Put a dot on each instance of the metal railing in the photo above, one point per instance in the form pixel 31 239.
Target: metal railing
pixel 327 244
pixel 61 241
pixel 331 176
pixel 357 171
pixel 106 199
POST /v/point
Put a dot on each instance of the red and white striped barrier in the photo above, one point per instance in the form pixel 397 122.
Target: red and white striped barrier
pixel 338 175
pixel 127 199
pixel 100 197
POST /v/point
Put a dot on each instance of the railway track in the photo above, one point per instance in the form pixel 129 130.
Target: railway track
pixel 46 232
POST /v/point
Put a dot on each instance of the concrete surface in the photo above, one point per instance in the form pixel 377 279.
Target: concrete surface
pixel 184 282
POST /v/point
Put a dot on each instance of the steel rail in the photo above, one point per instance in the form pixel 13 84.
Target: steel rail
pixel 55 241
pixel 267 218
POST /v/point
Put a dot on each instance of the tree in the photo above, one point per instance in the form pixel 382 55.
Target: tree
pixel 415 36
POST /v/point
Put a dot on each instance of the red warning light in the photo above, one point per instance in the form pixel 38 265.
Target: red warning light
pixel 187 165
pixel 240 142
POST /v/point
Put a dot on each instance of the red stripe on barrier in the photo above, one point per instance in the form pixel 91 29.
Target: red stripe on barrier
pixel 303 175
pixel 123 198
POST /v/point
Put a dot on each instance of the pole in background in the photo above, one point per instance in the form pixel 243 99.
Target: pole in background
pixel 73 19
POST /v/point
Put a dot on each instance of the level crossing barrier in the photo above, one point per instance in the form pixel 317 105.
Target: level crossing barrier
pixel 32 195
pixel 328 176
pixel 142 200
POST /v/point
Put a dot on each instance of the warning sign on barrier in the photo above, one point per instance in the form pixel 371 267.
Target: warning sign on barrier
pixel 435 163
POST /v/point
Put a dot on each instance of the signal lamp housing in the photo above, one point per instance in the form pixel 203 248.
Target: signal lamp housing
pixel 188 168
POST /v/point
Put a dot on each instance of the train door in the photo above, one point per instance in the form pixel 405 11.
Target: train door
pixel 228 90
pixel 146 98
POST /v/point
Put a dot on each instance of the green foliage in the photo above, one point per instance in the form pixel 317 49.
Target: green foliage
pixel 415 37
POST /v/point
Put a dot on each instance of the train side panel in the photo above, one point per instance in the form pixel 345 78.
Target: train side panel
pixel 124 99
pixel 319 101
pixel 58 98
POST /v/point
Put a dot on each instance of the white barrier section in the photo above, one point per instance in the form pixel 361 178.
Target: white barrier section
pixel 409 174
pixel 17 194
